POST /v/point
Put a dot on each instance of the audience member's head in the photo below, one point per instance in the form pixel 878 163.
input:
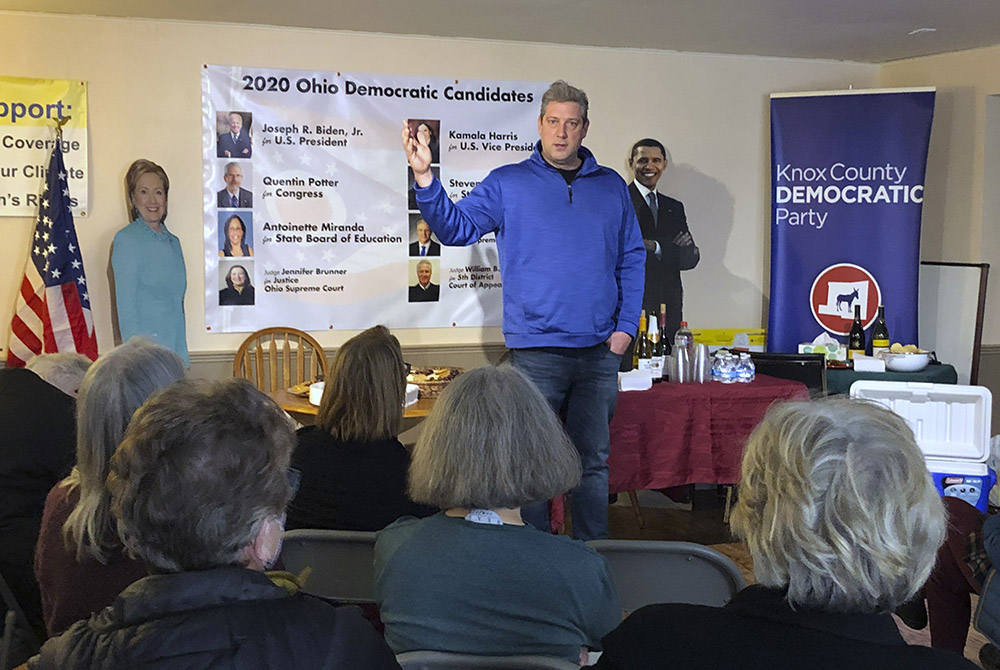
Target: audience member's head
pixel 65 371
pixel 492 441
pixel 112 390
pixel 201 478
pixel 364 392
pixel 836 505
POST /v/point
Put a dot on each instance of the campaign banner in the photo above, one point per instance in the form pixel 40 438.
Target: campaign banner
pixel 847 188
pixel 29 111
pixel 310 214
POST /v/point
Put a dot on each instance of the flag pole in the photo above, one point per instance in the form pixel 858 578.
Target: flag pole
pixel 52 313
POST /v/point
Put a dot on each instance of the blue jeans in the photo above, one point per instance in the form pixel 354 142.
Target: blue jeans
pixel 584 383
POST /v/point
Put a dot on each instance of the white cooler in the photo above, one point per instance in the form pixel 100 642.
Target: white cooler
pixel 952 427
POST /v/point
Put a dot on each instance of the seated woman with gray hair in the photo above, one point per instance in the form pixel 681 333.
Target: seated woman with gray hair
pixel 843 524
pixel 199 487
pixel 79 561
pixel 476 579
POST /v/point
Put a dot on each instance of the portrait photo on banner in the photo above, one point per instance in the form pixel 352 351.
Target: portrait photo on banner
pixel 424 280
pixel 428 131
pixel 235 134
pixel 411 194
pixel 235 233
pixel 234 189
pixel 422 241
pixel 236 286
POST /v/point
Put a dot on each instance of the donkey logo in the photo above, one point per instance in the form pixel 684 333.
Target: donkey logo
pixel 847 298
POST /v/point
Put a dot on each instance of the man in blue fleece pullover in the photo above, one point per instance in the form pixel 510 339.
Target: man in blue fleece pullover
pixel 572 263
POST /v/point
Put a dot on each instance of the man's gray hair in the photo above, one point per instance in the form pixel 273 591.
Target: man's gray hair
pixel 425 262
pixel 836 504
pixel 65 371
pixel 232 164
pixel 202 466
pixel 492 441
pixel 560 91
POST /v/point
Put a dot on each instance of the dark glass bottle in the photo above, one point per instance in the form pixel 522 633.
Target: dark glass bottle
pixel 665 337
pixel 880 333
pixel 856 340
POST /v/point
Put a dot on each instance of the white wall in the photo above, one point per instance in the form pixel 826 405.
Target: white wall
pixel 958 192
pixel 145 101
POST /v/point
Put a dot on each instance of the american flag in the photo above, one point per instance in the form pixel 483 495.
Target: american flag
pixel 53 306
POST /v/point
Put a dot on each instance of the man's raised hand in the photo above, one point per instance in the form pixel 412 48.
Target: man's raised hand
pixel 419 156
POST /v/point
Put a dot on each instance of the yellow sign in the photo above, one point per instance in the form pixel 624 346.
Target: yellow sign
pixel 29 113
pixel 753 339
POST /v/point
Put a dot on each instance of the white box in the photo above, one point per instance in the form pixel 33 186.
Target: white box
pixel 951 424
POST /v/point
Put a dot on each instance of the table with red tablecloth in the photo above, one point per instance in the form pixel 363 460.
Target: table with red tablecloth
pixel 675 434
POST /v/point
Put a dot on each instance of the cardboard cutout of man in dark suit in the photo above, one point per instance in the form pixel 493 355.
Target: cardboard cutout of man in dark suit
pixel 669 245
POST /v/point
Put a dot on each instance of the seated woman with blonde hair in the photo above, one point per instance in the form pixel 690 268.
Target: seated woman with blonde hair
pixel 353 469
pixel 476 579
pixel 843 524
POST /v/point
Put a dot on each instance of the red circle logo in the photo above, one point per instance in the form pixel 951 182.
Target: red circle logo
pixel 836 291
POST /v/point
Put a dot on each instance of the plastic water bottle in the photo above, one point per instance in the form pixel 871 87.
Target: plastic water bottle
pixel 746 369
pixel 718 365
pixel 724 369
pixel 685 338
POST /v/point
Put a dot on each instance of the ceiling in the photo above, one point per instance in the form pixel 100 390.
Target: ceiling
pixel 871 31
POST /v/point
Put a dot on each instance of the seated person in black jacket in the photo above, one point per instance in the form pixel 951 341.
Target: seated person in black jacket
pixel 198 487
pixel 353 468
pixel 37 449
pixel 843 524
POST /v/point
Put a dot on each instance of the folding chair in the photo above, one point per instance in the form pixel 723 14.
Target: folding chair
pixel 440 660
pixel 342 562
pixel 649 571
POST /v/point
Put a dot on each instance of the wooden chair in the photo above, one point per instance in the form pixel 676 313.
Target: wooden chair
pixel 276 358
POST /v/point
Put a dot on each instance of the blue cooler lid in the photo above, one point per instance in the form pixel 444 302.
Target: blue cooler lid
pixel 951 422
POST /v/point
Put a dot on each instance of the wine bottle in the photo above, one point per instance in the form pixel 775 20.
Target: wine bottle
pixel 856 340
pixel 639 337
pixel 880 333
pixel 644 347
pixel 665 337
pixel 656 349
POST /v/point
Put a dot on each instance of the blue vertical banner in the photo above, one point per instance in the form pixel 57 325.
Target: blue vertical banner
pixel 847 187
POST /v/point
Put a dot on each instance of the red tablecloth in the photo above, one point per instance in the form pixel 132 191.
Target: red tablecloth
pixel 676 434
